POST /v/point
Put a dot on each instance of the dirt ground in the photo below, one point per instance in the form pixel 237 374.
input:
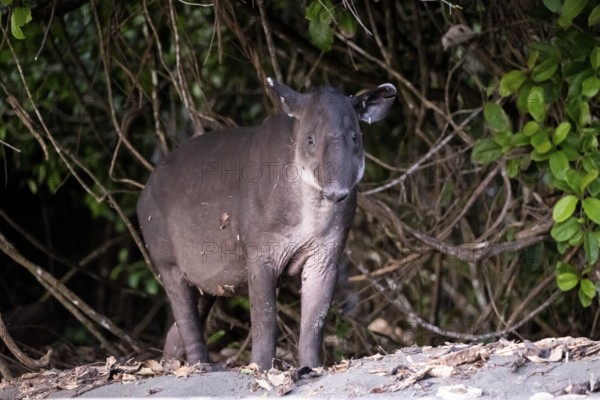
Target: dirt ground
pixel 561 368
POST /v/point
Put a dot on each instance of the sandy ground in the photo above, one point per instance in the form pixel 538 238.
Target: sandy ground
pixel 561 368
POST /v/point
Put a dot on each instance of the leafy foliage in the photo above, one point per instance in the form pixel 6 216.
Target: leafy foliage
pixel 561 134
pixel 323 18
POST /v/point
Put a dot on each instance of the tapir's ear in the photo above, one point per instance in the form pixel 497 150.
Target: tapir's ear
pixel 375 104
pixel 291 101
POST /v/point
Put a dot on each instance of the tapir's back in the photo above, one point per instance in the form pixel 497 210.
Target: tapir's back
pixel 199 198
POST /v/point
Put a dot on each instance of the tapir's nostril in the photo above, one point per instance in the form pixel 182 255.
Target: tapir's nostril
pixel 335 196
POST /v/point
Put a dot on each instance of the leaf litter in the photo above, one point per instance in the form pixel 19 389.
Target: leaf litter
pixel 458 360
pixel 466 359
pixel 87 377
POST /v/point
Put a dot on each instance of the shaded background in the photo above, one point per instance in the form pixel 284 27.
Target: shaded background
pixel 96 92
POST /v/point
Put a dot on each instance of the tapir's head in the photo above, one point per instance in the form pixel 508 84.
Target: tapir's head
pixel 329 146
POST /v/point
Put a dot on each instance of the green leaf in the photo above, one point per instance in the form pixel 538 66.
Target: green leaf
pixel 512 168
pixel 519 140
pixel 559 164
pixel 503 138
pixel 566 276
pixel 573 179
pixel 313 10
pixel 6 2
pixel 562 247
pixel 594 17
pixel 522 96
pixel 594 188
pixel 535 103
pixel 590 247
pixel 591 208
pixel 486 151
pixel 589 141
pixel 495 117
pixel 537 157
pixel 571 152
pixel 321 34
pixel 553 5
pixel 544 71
pixel 589 163
pixel 577 239
pixel 511 82
pixel 573 111
pixel 587 291
pixel 590 86
pixel 347 24
pixel 133 280
pixel 564 208
pixel 570 10
pixel 588 178
pixel 541 142
pixel 546 50
pixel 530 128
pixel 563 231
pixel 20 17
pixel 575 82
pixel 532 59
pixel 215 337
pixel 152 286
pixel 595 57
pixel 584 113
pixel 561 132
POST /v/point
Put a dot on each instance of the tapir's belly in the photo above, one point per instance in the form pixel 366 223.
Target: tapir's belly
pixel 215 258
pixel 208 251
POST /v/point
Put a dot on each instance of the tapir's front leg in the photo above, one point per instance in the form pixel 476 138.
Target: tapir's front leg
pixel 262 278
pixel 318 284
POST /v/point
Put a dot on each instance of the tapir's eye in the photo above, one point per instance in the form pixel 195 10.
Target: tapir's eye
pixel 354 137
pixel 311 140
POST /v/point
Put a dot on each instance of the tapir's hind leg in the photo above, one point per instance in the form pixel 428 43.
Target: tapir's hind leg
pixel 184 302
pixel 174 347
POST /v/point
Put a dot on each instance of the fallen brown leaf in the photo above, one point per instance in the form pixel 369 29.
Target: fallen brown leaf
pixel 184 371
pixel 151 367
pixel 467 355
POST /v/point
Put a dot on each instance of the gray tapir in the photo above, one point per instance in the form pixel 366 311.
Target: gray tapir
pixel 236 208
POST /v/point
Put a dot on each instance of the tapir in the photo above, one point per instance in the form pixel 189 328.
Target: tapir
pixel 231 210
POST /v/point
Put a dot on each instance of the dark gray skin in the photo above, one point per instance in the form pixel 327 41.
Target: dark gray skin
pixel 232 210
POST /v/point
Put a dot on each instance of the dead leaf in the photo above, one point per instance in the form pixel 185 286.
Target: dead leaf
pixel 224 220
pixel 380 371
pixel 457 34
pixel 264 384
pixel 441 371
pixel 184 371
pixel 276 378
pixel 286 387
pixel 467 355
pixel 110 362
pixel 128 377
pixel 171 365
pixel 410 380
pixel 69 386
pixel 250 369
pixel 341 366
pixel 282 380
pixel 556 355
pixel 151 367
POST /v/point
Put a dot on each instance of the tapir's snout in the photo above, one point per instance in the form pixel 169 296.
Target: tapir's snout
pixel 336 195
